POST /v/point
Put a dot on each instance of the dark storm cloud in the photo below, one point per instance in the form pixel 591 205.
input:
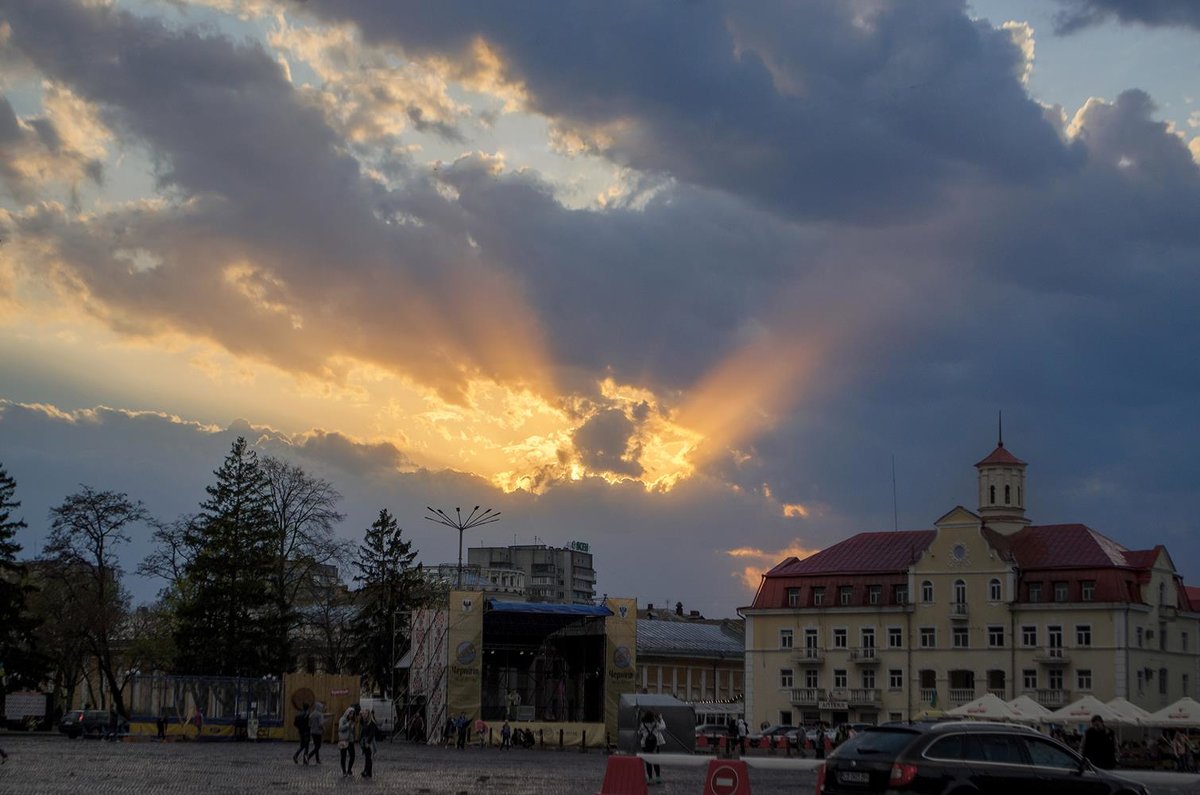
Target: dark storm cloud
pixel 1080 14
pixel 604 441
pixel 804 108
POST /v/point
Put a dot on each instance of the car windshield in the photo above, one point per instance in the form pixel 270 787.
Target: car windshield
pixel 876 741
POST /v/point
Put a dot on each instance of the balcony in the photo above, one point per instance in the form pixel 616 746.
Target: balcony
pixel 810 655
pixel 960 695
pixel 1050 699
pixel 959 611
pixel 860 696
pixel 1052 655
pixel 928 695
pixel 807 696
pixel 867 655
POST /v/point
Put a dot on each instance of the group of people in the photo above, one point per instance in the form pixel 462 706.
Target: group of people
pixel 1099 746
pixel 356 729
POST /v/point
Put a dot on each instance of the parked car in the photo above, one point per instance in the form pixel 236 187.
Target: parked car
pixel 772 734
pixel 89 723
pixel 712 729
pixel 963 757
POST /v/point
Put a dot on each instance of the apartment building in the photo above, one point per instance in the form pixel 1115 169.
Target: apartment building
pixel 552 574
pixel 888 626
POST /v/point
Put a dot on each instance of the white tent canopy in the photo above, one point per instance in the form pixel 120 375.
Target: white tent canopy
pixel 1132 712
pixel 1183 714
pixel 1085 709
pixel 1029 710
pixel 989 706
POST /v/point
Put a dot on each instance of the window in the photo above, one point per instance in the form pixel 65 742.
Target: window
pixel 1029 636
pixel 785 678
pixel 810 639
pixel 900 594
pixel 839 639
pixel 810 677
pixel 874 594
pixel 1054 639
pixel 793 597
pixel 999 748
pixel 948 748
pixel 959 635
pixel 844 594
pixel 839 678
pixel 1029 679
pixel 1008 495
pixel 1140 680
pixel 868 637
pixel 1087 590
pixel 868 678
pixel 928 637
pixel 1141 636
pixel 895 679
pixel 994 592
pixel 895 637
pixel 1044 754
pixel 818 595
pixel 785 639
pixel 992 495
pixel 926 591
pixel 960 592
pixel 1035 591
pixel 1056 679
pixel 995 636
pixel 1083 679
pixel 785 717
pixel 1162 636
pixel 1083 634
pixel 1162 681
pixel 1060 592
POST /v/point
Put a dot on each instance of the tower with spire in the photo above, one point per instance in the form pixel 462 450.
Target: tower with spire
pixel 1002 488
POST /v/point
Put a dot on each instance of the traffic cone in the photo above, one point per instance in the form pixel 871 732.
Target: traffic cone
pixel 625 775
pixel 727 777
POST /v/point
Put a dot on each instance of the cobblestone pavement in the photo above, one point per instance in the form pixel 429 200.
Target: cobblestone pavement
pixel 51 764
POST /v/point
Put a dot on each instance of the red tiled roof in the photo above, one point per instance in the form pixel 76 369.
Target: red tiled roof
pixel 1066 546
pixel 1192 593
pixel 1000 456
pixel 1142 558
pixel 865 552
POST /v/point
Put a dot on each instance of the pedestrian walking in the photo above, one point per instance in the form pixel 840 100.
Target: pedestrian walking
pixel 160 725
pixel 301 724
pixel 316 731
pixel 505 736
pixel 460 726
pixel 1099 746
pixel 347 738
pixel 651 739
pixel 370 730
pixel 416 729
pixel 481 730
pixel 198 722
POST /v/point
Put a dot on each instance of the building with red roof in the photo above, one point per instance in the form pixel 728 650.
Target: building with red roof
pixel 889 626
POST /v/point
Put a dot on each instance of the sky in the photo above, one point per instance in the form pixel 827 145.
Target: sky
pixel 701 284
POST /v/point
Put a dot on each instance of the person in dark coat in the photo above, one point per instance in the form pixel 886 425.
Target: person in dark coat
pixel 316 731
pixel 370 730
pixel 1099 746
pixel 301 724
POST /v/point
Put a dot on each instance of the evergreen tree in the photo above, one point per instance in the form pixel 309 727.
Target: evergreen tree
pixel 224 623
pixel 391 587
pixel 20 665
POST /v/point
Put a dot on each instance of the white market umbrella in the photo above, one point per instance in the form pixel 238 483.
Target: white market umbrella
pixel 1084 710
pixel 989 706
pixel 1134 715
pixel 1183 714
pixel 1029 710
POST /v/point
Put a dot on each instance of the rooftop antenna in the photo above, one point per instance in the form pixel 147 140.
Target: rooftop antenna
pixel 895 513
pixel 1000 422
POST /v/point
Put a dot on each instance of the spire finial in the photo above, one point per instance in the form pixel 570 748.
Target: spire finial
pixel 1000 422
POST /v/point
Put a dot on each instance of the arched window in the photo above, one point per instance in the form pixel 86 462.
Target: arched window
pixel 1008 495
pixel 991 495
pixel 1162 593
pixel 926 591
pixel 994 593
pixel 1019 503
pixel 960 592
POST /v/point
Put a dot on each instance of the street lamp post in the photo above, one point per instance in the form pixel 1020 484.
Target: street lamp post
pixel 474 519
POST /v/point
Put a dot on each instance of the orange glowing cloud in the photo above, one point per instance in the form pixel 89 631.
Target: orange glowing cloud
pixel 760 561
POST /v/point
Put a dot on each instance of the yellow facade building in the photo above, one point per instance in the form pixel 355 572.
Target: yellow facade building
pixel 887 626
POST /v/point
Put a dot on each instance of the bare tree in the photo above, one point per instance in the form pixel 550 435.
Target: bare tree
pixel 304 511
pixel 171 557
pixel 85 532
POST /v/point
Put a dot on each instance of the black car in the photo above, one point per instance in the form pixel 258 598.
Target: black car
pixel 89 723
pixel 963 758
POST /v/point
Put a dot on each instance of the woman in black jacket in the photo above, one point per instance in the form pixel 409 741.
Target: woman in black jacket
pixel 370 731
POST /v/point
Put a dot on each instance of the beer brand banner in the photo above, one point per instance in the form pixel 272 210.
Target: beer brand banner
pixel 620 658
pixel 464 675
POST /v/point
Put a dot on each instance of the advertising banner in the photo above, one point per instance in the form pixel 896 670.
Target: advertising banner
pixel 465 673
pixel 620 658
